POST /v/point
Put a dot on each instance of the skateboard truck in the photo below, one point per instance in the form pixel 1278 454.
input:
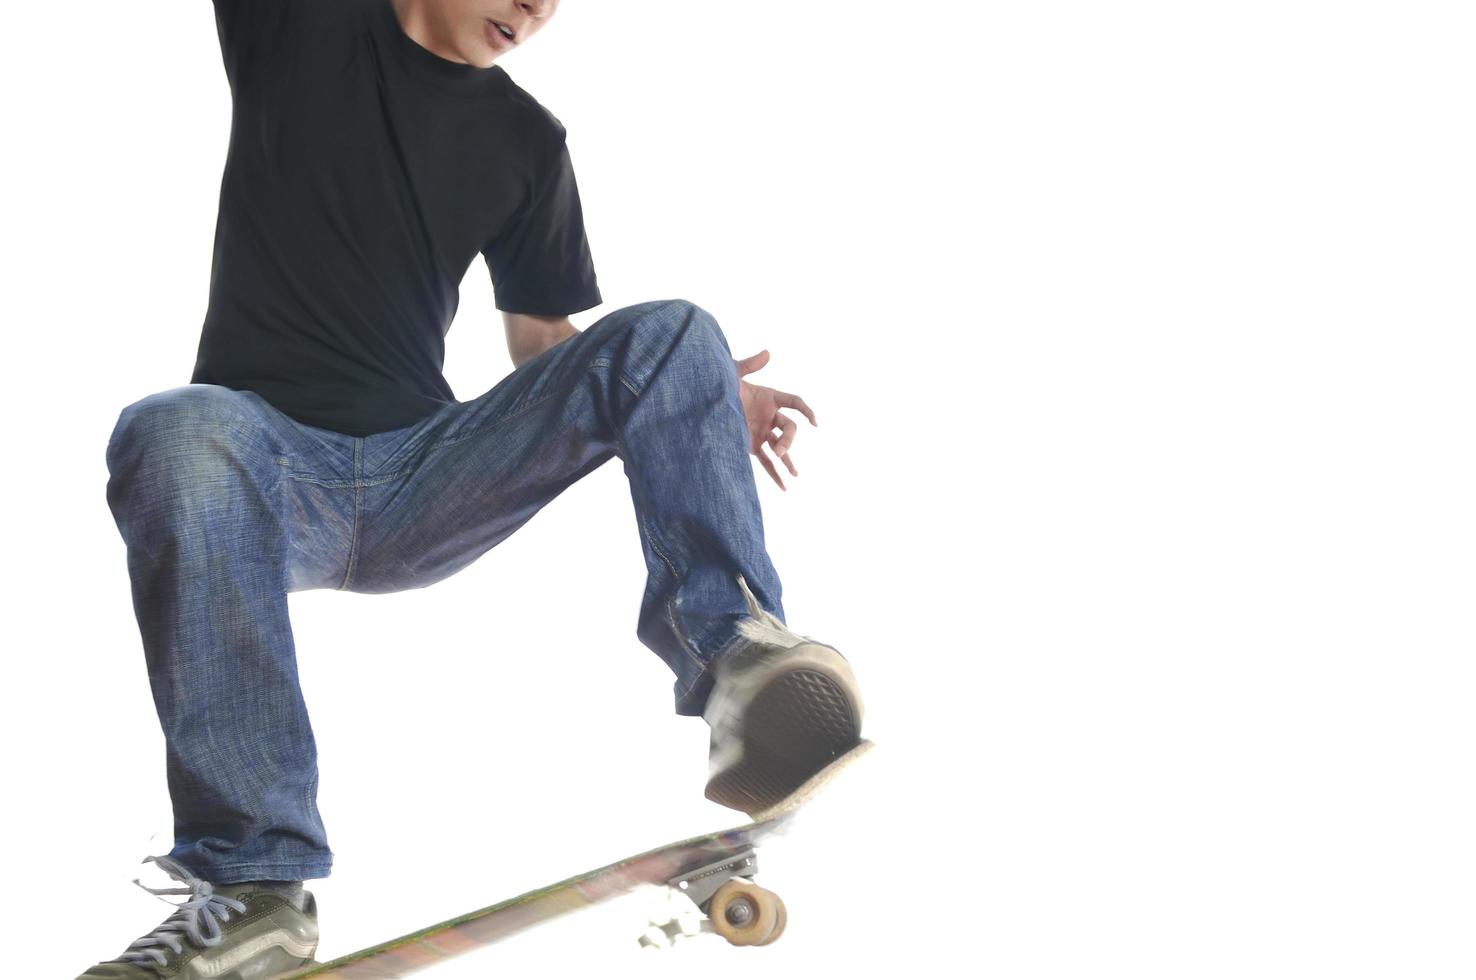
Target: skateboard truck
pixel 698 886
pixel 702 884
pixel 735 907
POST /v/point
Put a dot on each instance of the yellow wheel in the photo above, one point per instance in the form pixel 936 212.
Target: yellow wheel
pixel 778 925
pixel 743 913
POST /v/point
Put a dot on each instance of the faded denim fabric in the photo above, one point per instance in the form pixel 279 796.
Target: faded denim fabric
pixel 227 505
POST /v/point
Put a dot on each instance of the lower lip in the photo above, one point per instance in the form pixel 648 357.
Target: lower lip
pixel 499 40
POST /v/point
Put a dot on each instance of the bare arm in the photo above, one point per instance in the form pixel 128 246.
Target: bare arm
pixel 528 335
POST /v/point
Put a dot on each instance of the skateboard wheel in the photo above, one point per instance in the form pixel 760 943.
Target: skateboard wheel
pixel 743 913
pixel 778 925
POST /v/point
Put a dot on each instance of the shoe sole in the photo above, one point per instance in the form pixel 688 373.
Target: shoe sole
pixel 796 725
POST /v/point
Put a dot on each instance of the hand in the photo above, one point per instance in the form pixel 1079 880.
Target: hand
pixel 761 408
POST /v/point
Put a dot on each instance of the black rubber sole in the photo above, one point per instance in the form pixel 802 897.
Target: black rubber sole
pixel 796 726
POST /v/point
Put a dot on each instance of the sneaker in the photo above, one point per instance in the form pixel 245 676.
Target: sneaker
pixel 221 932
pixel 783 706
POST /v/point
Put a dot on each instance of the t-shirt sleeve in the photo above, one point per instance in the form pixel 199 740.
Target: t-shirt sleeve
pixel 540 262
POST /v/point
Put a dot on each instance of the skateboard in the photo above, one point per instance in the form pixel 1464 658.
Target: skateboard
pixel 714 871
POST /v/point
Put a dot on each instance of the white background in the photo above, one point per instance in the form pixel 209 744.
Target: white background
pixel 1140 339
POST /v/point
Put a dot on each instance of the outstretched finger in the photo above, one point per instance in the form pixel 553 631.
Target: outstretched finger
pixel 795 402
pixel 788 462
pixel 769 465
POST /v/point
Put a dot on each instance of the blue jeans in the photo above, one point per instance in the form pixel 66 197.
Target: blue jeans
pixel 227 505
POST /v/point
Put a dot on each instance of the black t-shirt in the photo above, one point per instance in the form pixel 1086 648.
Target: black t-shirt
pixel 364 176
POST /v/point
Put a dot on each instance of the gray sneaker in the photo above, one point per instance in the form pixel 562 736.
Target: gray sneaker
pixel 782 707
pixel 221 932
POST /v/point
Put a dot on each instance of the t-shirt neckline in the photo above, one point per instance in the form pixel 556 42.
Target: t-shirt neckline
pixel 426 63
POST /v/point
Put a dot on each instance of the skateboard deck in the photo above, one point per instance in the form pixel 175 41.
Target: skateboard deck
pixel 714 870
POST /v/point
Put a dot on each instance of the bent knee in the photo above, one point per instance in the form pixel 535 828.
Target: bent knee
pixel 684 312
pixel 682 322
pixel 187 421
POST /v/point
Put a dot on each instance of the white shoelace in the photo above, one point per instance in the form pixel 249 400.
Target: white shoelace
pixel 199 917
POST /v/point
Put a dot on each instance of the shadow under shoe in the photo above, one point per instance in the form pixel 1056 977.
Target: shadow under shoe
pixel 221 932
pixel 783 706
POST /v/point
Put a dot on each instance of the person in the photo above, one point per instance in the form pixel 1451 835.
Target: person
pixel 375 151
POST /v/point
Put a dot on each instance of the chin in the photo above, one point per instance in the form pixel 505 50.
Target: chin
pixel 481 57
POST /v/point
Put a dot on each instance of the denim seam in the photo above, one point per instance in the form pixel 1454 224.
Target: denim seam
pixel 676 630
pixel 308 793
pixel 349 484
pixel 700 673
pixel 645 527
pixel 348 573
pixel 671 617
pixel 651 540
